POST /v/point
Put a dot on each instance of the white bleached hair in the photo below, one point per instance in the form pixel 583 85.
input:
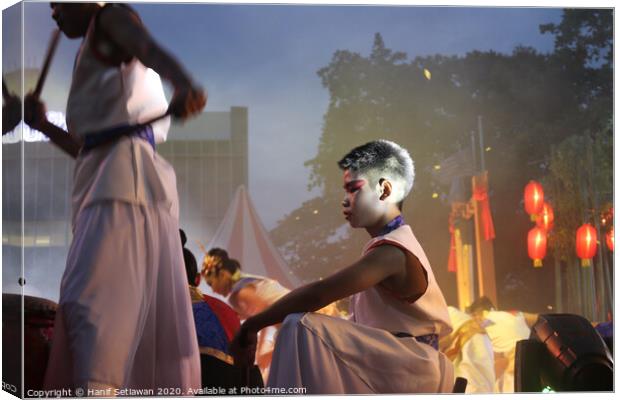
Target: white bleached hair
pixel 383 159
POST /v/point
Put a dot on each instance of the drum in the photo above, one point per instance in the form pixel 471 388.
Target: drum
pixel 38 328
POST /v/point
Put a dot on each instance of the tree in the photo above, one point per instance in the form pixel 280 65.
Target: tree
pixel 528 102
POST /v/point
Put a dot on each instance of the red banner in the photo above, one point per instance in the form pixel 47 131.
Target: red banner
pixel 482 197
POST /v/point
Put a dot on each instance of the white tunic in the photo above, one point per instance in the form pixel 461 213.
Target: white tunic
pixel 103 97
pixel 505 330
pixel 268 291
pixel 475 361
pixel 328 355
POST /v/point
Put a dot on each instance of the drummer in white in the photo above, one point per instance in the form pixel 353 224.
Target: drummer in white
pixel 124 319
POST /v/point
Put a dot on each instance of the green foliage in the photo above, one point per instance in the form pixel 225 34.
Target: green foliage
pixel 573 180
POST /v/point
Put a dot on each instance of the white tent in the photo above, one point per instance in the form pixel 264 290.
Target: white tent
pixel 243 235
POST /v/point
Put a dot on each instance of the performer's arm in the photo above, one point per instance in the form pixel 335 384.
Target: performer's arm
pixel 34 116
pixel 378 265
pixel 128 33
pixel 249 302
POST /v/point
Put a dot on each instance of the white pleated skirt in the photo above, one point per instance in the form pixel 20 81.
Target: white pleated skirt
pixel 124 316
pixel 328 355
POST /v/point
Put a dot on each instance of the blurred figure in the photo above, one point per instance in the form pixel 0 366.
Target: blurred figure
pixel 216 325
pixel 249 295
pixel 124 319
pixel 216 322
pixel 471 351
pixel 505 329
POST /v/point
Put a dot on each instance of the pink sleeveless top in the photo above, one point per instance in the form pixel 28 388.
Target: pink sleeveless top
pixel 379 308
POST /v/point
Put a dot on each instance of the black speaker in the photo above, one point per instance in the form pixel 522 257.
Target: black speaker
pixel 564 353
pixel 528 360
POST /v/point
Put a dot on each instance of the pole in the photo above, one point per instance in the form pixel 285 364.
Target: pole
pixel 481 143
pixel 556 253
pixel 558 284
pixel 473 151
pixel 600 281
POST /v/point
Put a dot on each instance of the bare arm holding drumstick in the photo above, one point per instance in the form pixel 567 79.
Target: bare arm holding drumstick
pixel 128 35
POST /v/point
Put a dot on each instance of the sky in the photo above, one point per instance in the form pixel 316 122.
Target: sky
pixel 266 58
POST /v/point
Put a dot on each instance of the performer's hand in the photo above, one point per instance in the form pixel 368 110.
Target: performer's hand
pixel 243 346
pixel 34 112
pixel 11 113
pixel 187 101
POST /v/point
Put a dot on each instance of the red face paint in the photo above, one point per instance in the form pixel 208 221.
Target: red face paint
pixel 352 186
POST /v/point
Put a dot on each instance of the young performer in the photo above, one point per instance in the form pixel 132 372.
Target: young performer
pixel 124 319
pixel 390 345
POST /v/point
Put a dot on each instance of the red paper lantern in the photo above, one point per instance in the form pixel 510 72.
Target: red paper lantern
pixel 537 245
pixel 545 218
pixel 586 244
pixel 534 198
pixel 609 238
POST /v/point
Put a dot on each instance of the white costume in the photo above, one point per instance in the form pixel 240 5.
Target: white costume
pixel 268 291
pixel 475 361
pixel 505 330
pixel 329 355
pixel 124 318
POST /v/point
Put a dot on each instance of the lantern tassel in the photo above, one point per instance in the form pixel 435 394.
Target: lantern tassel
pixel 586 262
pixel 533 217
pixel 538 263
pixel 482 197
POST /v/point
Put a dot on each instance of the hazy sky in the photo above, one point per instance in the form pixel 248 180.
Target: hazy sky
pixel 266 57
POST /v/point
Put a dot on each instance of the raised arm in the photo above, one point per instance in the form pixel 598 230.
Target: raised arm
pixel 127 32
pixel 381 263
pixel 34 116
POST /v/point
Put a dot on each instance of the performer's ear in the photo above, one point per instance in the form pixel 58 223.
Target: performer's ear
pixel 386 188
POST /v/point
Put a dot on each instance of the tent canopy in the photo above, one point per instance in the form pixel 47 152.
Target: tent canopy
pixel 242 234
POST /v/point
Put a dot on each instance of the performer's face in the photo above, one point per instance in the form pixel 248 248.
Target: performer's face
pixel 220 282
pixel 479 315
pixel 361 204
pixel 216 277
pixel 72 18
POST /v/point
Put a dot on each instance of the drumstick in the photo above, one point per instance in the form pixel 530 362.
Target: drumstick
pixel 51 49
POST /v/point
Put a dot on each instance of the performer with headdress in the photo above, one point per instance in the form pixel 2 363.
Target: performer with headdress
pixel 249 295
pixel 216 324
pixel 124 319
pixel 399 312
